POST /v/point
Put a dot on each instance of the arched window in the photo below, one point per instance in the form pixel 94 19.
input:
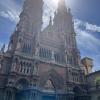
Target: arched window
pixel 45 53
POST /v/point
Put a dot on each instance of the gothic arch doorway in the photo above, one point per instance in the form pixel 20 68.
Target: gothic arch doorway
pixel 51 82
pixel 22 84
pixel 52 77
pixel 22 89
pixel 49 90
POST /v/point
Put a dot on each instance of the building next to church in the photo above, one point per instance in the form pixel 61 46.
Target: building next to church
pixel 42 65
pixel 92 78
pixel 88 65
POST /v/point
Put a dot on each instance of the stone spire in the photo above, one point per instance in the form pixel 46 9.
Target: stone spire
pixel 64 17
pixel 31 16
pixel 62 5
pixel 61 16
pixel 25 37
pixel 63 23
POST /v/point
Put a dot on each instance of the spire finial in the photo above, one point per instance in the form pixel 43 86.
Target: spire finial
pixel 62 6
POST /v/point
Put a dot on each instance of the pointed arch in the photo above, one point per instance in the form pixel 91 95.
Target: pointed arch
pixel 22 84
pixel 55 78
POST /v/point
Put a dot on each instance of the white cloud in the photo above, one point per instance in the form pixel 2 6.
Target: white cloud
pixel 93 28
pixel 10 9
pixel 10 15
pixel 85 39
pixel 87 42
pixel 87 26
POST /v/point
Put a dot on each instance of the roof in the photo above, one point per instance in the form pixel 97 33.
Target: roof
pixel 96 72
pixel 87 58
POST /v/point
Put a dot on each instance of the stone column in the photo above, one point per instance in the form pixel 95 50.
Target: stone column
pixel 9 94
pixel 32 95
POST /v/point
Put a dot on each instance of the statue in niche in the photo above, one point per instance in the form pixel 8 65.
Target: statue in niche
pixel 49 85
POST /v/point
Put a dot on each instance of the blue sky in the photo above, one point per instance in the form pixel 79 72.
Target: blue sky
pixel 85 14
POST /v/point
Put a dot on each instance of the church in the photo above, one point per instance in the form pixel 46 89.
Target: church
pixel 42 64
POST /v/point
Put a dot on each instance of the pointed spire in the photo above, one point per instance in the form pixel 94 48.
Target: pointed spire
pixel 62 5
pixel 60 16
pixel 61 2
pixel 3 48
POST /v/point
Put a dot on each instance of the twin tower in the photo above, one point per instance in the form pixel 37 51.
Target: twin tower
pixel 42 65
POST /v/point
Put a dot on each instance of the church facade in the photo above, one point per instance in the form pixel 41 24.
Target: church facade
pixel 42 65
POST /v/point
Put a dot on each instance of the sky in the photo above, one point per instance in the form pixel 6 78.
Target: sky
pixel 86 19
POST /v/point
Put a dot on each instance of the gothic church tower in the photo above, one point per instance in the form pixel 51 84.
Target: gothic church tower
pixel 24 38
